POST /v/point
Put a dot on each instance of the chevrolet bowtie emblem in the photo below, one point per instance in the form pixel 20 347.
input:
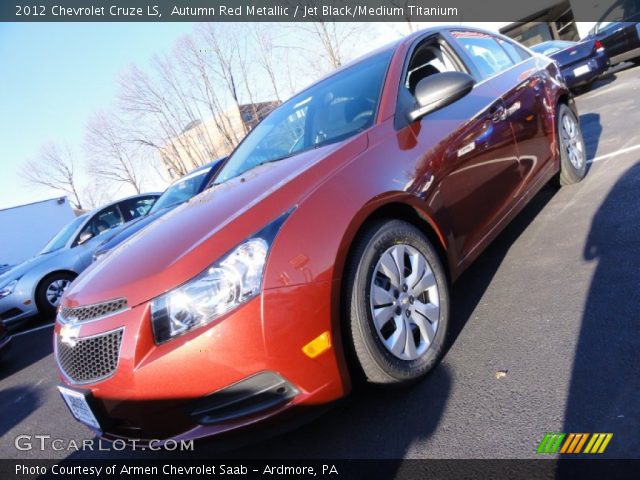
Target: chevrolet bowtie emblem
pixel 69 335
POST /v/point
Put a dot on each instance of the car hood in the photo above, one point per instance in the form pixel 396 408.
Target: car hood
pixel 22 268
pixel 184 242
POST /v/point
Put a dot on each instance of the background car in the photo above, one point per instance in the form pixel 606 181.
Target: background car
pixel 36 286
pixel 621 40
pixel 325 249
pixel 580 62
pixel 179 192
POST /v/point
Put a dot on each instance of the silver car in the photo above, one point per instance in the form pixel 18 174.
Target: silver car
pixel 37 285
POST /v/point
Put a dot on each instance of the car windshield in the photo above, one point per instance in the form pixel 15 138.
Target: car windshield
pixel 328 112
pixel 181 190
pixel 549 48
pixel 63 236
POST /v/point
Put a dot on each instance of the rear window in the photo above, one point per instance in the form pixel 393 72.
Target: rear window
pixel 515 51
pixel 486 54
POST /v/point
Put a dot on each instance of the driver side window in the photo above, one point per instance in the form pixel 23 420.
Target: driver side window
pixel 428 59
pixel 430 56
pixel 103 221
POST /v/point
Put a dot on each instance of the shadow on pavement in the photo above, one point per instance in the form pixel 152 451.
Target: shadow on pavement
pixel 26 350
pixel 473 283
pixel 16 403
pixel 591 132
pixel 605 381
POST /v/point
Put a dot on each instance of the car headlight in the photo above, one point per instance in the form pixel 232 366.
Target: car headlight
pixel 8 288
pixel 223 286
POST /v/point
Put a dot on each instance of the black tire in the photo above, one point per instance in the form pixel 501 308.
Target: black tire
pixel 45 307
pixel 570 173
pixel 375 362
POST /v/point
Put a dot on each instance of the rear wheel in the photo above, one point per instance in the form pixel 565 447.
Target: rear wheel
pixel 50 290
pixel 573 153
pixel 398 304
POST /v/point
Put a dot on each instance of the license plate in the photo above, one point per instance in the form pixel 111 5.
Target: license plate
pixel 581 70
pixel 80 409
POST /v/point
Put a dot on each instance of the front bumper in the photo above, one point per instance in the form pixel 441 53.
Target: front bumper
pixel 203 382
pixel 16 307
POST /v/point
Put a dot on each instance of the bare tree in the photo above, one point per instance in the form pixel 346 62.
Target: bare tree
pixel 223 43
pixel 197 70
pixel 333 39
pixel 156 119
pixel 266 54
pixel 97 194
pixel 54 168
pixel 111 155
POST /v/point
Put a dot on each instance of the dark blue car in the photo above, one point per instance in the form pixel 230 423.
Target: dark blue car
pixel 580 62
pixel 179 192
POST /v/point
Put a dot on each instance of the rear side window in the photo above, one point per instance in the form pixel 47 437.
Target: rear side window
pixel 486 54
pixel 103 221
pixel 515 51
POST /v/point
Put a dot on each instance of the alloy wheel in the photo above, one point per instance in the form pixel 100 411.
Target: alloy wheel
pixel 404 302
pixel 55 291
pixel 572 141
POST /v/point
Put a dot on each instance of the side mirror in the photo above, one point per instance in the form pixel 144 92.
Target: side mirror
pixel 85 237
pixel 439 90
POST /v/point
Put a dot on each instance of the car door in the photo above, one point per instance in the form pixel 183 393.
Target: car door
pixel 472 149
pixel 519 80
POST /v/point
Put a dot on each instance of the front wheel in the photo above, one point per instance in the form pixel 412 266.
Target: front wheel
pixel 50 290
pixel 397 303
pixel 573 153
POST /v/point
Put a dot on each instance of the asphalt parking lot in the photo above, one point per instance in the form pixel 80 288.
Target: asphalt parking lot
pixel 545 335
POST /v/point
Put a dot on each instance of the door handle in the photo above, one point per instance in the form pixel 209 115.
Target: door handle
pixel 498 114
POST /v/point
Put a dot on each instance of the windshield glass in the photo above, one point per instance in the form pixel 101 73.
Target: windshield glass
pixel 180 191
pixel 63 236
pixel 331 111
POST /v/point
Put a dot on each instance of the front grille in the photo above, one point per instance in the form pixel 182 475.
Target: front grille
pixel 92 312
pixel 89 359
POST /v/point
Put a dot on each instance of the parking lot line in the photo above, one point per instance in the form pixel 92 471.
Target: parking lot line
pixel 41 327
pixel 613 154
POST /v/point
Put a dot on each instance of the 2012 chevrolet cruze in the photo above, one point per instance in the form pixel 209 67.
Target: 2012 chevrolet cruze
pixel 327 245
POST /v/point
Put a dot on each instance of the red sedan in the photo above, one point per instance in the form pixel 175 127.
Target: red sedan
pixel 327 246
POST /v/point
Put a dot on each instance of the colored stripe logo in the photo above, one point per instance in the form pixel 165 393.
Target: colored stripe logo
pixel 574 443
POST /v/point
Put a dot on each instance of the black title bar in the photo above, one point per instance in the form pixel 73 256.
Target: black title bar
pixel 453 11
